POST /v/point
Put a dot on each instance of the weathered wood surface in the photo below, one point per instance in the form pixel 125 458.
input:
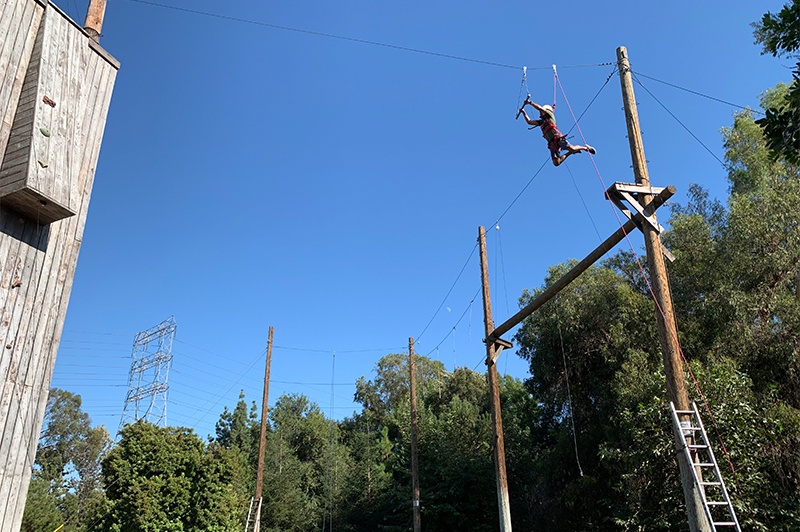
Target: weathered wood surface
pixel 39 164
pixel 19 25
pixel 37 260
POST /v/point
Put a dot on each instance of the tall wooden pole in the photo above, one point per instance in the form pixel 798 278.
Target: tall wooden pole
pixel 262 441
pixel 94 18
pixel 414 450
pixel 667 329
pixel 494 393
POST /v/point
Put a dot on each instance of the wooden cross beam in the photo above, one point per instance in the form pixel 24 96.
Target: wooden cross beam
pixel 623 191
pixel 499 345
pixel 659 199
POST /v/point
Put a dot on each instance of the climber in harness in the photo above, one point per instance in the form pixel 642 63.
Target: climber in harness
pixel 556 141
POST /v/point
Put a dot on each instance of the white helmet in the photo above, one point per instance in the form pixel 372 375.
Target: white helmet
pixel 548 108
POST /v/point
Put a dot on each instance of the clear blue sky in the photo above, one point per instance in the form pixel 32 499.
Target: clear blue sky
pixel 254 176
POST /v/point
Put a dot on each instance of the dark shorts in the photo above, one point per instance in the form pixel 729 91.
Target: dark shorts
pixel 558 143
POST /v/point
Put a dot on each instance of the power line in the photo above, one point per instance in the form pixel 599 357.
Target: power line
pixel 743 107
pixel 724 165
pixel 354 39
pixel 588 106
pixel 460 273
pixel 452 330
pixel 585 207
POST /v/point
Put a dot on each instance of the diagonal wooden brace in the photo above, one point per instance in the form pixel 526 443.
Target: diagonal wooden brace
pixel 641 210
pixel 499 345
pixel 619 191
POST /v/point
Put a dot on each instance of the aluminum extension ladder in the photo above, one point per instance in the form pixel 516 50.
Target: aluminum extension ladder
pixel 695 446
pixel 253 516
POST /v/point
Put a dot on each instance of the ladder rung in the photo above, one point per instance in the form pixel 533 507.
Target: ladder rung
pixel 684 412
pixel 703 464
pixel 710 484
pixel 717 503
pixel 697 446
pixel 724 523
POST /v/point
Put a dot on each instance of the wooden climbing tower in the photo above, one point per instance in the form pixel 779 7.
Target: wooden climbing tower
pixel 55 89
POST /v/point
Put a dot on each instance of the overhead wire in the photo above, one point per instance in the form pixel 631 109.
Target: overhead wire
pixel 452 330
pixel 720 161
pixel 524 188
pixel 351 39
pixel 583 202
pixel 453 57
pixel 743 107
pixel 655 298
pixel 452 286
pixel 96 378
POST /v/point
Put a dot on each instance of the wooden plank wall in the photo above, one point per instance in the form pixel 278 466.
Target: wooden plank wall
pixel 37 262
pixel 19 26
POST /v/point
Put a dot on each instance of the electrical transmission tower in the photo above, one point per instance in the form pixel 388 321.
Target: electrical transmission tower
pixel 147 379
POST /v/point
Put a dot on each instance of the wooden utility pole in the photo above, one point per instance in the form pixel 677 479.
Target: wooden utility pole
pixel 262 441
pixel 94 19
pixel 667 328
pixel 493 348
pixel 414 450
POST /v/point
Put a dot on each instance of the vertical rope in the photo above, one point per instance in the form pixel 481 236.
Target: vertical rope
pixel 655 299
pixel 454 347
pixel 569 395
pixel 329 505
pixel 555 81
pixel 522 85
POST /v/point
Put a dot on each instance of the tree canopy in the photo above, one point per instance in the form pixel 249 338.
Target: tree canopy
pixel 588 435
pixel 779 36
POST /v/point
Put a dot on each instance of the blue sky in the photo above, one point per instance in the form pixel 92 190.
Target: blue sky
pixel 254 176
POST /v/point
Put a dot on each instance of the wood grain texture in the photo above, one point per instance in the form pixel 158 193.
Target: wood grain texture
pixel 38 256
pixel 19 24
pixel 41 161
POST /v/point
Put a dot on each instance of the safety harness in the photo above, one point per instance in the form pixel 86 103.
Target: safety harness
pixel 552 144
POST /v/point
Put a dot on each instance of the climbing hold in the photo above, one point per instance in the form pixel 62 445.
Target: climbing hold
pixel 48 101
pixel 43 165
pixel 44 131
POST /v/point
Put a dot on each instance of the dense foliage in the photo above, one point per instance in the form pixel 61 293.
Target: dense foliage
pixel 779 36
pixel 588 436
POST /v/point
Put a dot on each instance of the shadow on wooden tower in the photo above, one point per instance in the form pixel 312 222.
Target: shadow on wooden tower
pixel 55 88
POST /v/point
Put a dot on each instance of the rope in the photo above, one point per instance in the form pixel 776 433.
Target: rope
pixel 569 394
pixel 454 348
pixel 330 452
pixel 522 85
pixel 501 262
pixel 655 299
pixel 555 79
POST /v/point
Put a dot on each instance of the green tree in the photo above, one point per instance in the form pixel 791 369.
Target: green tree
pixel 576 346
pixel 778 35
pixel 457 481
pixel 305 468
pixel 237 434
pixel 162 479
pixel 66 475
pixel 735 293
